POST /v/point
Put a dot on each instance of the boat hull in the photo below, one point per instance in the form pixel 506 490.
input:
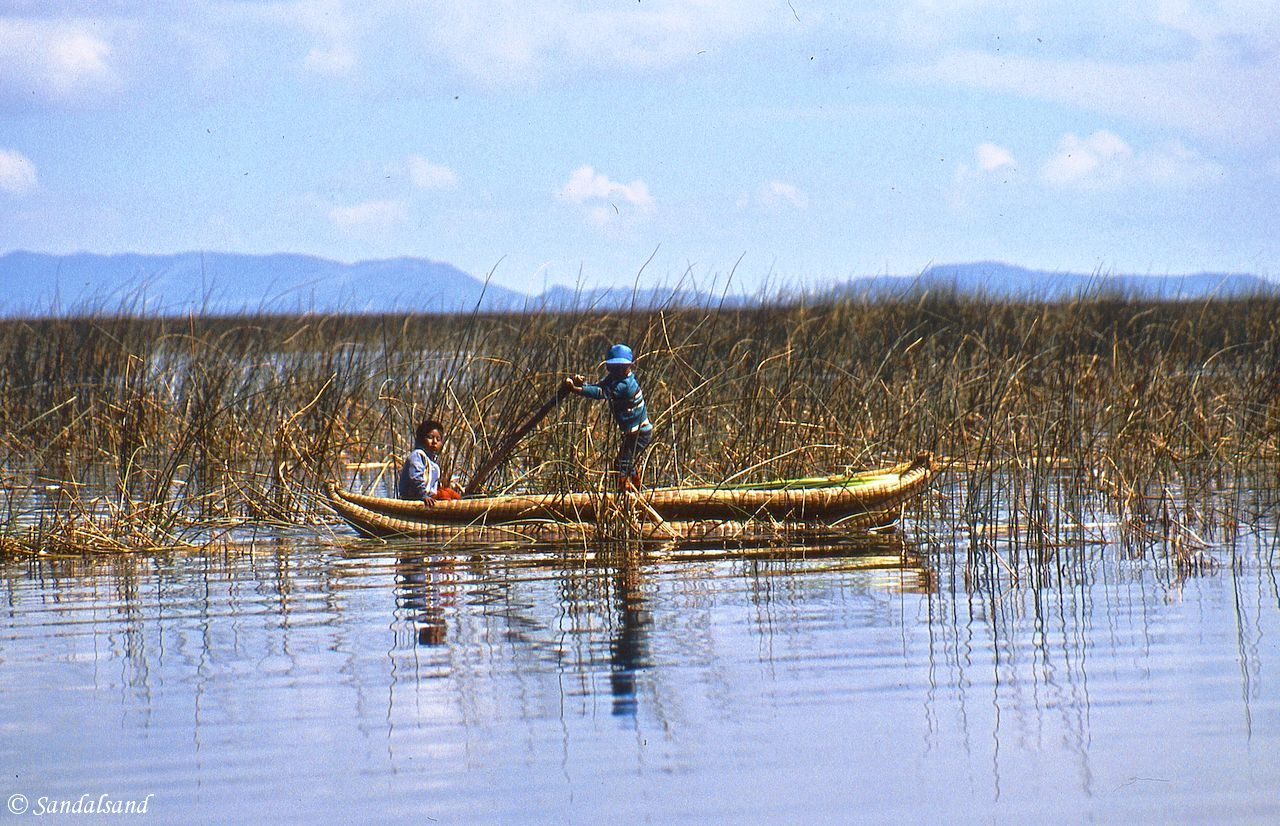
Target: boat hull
pixel 868 500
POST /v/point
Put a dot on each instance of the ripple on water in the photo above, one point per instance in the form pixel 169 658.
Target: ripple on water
pixel 296 679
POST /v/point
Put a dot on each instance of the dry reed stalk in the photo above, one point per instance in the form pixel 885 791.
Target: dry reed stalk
pixel 1050 409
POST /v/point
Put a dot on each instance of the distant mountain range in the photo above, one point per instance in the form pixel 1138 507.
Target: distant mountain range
pixel 220 283
pixel 1003 281
pixel 36 284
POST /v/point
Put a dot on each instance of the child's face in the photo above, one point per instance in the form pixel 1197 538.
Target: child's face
pixel 434 441
pixel 618 369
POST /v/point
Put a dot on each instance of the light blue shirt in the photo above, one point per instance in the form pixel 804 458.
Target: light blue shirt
pixel 419 475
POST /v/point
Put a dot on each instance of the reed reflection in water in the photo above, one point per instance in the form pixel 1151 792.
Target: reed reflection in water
pixel 562 683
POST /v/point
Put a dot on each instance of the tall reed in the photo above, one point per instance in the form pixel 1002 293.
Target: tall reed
pixel 124 432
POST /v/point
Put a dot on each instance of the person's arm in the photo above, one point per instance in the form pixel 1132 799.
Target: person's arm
pixel 590 391
pixel 575 384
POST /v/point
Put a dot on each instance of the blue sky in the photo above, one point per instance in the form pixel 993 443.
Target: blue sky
pixel 552 142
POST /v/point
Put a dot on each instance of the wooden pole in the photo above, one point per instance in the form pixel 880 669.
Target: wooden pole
pixel 500 454
pixel 651 514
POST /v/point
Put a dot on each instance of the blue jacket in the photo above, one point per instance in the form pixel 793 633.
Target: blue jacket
pixel 419 476
pixel 626 401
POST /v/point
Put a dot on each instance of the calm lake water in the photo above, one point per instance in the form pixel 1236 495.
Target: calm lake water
pixel 305 678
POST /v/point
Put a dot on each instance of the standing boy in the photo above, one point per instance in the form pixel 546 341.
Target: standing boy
pixel 626 402
pixel 420 473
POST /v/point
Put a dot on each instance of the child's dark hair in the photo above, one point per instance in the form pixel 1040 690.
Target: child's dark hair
pixel 425 427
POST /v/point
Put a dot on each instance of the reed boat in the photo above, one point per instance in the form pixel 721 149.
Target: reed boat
pixel 866 500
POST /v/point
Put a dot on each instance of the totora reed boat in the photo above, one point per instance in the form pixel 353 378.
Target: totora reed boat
pixel 861 501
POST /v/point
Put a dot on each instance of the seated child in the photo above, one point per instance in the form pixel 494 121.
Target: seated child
pixel 420 473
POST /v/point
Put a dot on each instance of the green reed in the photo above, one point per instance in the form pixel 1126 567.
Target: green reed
pixel 151 432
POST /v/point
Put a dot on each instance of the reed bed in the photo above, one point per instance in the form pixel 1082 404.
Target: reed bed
pixel 123 433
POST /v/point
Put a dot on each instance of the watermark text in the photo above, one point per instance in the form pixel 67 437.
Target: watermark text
pixel 85 804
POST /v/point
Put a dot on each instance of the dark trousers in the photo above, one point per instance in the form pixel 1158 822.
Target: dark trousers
pixel 631 449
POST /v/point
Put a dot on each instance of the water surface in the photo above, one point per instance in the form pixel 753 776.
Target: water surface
pixel 330 678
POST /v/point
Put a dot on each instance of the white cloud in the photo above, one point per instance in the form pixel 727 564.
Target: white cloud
pixel 333 61
pixel 512 41
pixel 427 175
pixel 1209 93
pixel 1175 165
pixel 1105 161
pixel 1099 161
pixel 55 60
pixel 992 164
pixel 777 194
pixel 330 24
pixel 1255 20
pixel 602 217
pixel 17 173
pixel 369 216
pixel 992 158
pixel 585 184
pixel 615 208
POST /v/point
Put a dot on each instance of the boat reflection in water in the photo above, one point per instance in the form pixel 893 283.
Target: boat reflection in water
pixel 600 618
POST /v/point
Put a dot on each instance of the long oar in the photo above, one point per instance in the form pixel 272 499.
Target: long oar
pixel 499 455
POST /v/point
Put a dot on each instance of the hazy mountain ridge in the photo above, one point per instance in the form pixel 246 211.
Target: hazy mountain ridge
pixel 998 280
pixel 37 284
